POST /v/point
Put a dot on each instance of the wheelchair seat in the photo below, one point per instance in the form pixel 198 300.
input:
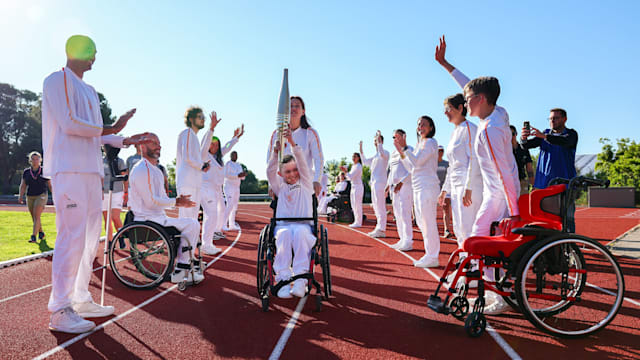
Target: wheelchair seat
pixel 170 230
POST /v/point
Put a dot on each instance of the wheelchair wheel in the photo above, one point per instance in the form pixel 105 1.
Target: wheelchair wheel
pixel 459 307
pixel 262 264
pixel 325 262
pixel 475 324
pixel 552 288
pixel 147 258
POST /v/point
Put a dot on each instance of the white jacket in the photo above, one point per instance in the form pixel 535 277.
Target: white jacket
pixel 294 200
pixel 147 196
pixel 309 142
pixel 397 171
pixel 378 164
pixel 231 171
pixel 190 158
pixel 462 157
pixel 214 178
pixel 423 164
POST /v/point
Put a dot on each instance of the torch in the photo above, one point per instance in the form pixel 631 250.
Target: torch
pixel 282 120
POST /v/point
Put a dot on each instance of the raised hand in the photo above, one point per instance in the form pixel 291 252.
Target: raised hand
pixel 441 50
pixel 238 132
pixel 122 121
pixel 214 120
pixel 137 139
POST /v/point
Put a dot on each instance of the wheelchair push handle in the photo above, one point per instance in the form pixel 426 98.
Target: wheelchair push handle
pixel 580 181
pixel 112 160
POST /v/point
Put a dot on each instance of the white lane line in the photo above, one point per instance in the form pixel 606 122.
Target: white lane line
pixel 277 351
pixel 284 337
pixel 494 334
pixel 139 306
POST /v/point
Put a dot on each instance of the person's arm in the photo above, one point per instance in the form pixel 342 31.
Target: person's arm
pixel 189 150
pixel 531 143
pixel 23 188
pixel 383 154
pixel 501 160
pixel 228 146
pixel 365 160
pixel 204 145
pixel 356 169
pixel 274 179
pixel 568 140
pixel 420 157
pixel 141 181
pixel 49 186
pixel 113 140
pixel 457 75
pixel 228 171
pixel 306 179
pixel 316 155
pixel 272 144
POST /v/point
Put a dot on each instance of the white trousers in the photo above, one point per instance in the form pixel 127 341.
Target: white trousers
pixel 192 212
pixel 77 198
pixel 357 190
pixel 379 204
pixel 232 196
pixel 324 203
pixel 297 238
pixel 425 206
pixel 493 208
pixel 213 209
pixel 464 216
pixel 402 206
pixel 189 229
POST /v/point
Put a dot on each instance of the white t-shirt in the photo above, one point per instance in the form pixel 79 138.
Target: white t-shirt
pixel 294 200
pixel 309 142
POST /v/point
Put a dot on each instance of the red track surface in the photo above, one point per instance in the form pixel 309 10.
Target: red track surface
pixel 378 309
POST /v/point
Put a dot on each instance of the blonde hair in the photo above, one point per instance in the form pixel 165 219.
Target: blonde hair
pixel 34 153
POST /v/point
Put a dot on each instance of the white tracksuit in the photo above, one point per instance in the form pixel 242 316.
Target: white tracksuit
pixel 324 202
pixel 309 141
pixel 378 164
pixel 402 200
pixel 232 191
pixel 497 165
pixel 461 154
pixel 423 164
pixel 211 197
pixel 294 201
pixel 357 191
pixel 190 158
pixel 148 200
pixel 71 138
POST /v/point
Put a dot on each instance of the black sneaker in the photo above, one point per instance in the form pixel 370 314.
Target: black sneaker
pixel 33 239
pixel 41 235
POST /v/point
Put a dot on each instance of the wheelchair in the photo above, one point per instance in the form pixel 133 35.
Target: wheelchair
pixel 540 269
pixel 148 255
pixel 319 256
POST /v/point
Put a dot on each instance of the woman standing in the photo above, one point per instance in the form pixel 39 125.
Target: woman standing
pixel 212 200
pixel 422 162
pixel 463 176
pixel 357 189
pixel 37 195
pixel 306 137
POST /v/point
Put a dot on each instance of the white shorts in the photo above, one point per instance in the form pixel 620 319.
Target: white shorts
pixel 116 201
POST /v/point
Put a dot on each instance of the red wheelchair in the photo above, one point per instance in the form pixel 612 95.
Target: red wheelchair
pixel 565 284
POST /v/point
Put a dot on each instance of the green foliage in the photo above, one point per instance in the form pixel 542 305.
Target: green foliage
pixel 621 165
pixel 105 110
pixel 332 168
pixel 250 183
pixel 171 178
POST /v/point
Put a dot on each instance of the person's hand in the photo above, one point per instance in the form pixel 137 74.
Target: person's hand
pixel 441 198
pixel 397 188
pixel 360 143
pixel 214 120
pixel 343 168
pixel 441 50
pixel 238 132
pixel 137 139
pixel 537 133
pixel 317 188
pixel 400 142
pixel 286 133
pixel 524 133
pixel 184 201
pixel 21 200
pixel 466 200
pixel 206 166
pixel 242 174
pixel 276 147
pixel 122 121
pixel 271 194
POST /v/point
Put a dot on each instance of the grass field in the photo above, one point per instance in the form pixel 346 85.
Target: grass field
pixel 15 230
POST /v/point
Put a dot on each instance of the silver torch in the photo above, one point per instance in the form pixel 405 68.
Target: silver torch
pixel 282 120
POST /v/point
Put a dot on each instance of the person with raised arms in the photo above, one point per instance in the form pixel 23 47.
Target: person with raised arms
pixel 72 133
pixel 357 189
pixel 399 188
pixel 378 164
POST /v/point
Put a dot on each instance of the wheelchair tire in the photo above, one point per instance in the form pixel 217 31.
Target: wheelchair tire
pixel 318 303
pixel 262 277
pixel 459 307
pixel 147 258
pixel 265 304
pixel 325 262
pixel 553 292
pixel 475 324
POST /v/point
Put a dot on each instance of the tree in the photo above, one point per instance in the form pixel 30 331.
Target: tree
pixel 250 183
pixel 622 165
pixel 105 110
pixel 171 177
pixel 332 168
pixel 20 133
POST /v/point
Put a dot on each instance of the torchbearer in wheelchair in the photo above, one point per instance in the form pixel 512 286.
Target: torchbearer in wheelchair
pixel 292 183
pixel 148 201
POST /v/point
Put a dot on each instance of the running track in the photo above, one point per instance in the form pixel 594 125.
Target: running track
pixel 378 309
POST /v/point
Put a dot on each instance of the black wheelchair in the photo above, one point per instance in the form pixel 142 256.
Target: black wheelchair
pixel 339 209
pixel 319 256
pixel 148 255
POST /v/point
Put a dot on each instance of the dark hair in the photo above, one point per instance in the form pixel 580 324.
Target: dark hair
pixel 287 159
pixel 304 123
pixel 432 133
pixel 456 101
pixel 191 113
pixel 487 86
pixel 401 131
pixel 513 129
pixel 381 137
pixel 218 154
pixel 359 157
pixel 562 112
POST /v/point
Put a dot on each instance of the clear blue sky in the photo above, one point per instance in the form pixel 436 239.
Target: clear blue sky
pixel 359 65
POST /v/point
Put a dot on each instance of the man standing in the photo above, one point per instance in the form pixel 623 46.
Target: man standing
pixel 443 166
pixel 378 164
pixel 399 188
pixel 233 175
pixel 72 132
pixel 190 157
pixel 524 162
pixel 557 153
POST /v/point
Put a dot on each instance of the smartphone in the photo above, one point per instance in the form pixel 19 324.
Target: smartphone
pixel 205 166
pixel 527 125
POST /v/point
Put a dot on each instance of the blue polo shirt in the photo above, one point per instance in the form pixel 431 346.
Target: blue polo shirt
pixel 557 156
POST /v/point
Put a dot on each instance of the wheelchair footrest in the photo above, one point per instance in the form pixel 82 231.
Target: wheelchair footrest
pixel 436 304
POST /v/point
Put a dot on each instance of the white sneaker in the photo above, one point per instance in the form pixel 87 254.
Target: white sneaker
pixel 354 225
pixel 90 309
pixel 285 292
pixel 405 246
pixel 497 306
pixel 426 262
pixel 377 234
pixel 68 321
pixel 299 288
pixel 396 245
pixel 179 275
pixel 210 249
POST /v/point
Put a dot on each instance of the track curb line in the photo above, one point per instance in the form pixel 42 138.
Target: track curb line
pixel 24 259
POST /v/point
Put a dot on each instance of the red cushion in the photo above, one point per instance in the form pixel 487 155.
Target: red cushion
pixel 493 245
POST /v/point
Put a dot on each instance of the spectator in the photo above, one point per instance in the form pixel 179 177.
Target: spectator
pixel 357 189
pixel 133 159
pixel 36 186
pixel 443 165
pixel 524 162
pixel 557 153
